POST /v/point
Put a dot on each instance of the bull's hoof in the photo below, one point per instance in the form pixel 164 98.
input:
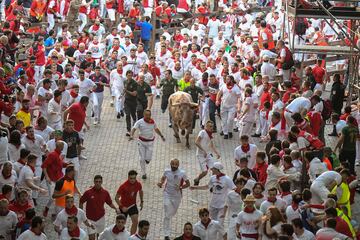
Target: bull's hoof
pixel 183 132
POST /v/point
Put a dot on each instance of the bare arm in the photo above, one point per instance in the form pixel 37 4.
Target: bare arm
pixel 339 143
pixel 157 130
pixel 212 146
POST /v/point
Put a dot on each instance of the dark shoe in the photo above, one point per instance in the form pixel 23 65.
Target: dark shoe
pixel 226 136
pixel 221 133
pixel 202 126
pixel 230 135
pixel 122 113
pixel 167 238
pixel 35 202
pixel 147 162
pixel 236 129
pixel 118 115
pixel 256 135
pixel 92 114
pixel 157 96
pixel 332 135
pixel 45 212
pixel 144 176
pixel 196 182
pixel 170 125
pixel 128 134
pixel 214 131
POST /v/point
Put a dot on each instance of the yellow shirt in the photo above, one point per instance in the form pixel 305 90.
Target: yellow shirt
pixel 25 117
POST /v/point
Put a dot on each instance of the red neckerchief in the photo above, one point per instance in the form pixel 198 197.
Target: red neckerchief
pixel 37 234
pixel 24 110
pixel 95 27
pixel 233 55
pixel 116 47
pixel 245 148
pixel 205 82
pixel 150 121
pixel 194 51
pixel 6 177
pixel 206 224
pixel 218 176
pixel 283 194
pixel 184 55
pixel 73 93
pixel 209 134
pixel 21 161
pixel 258 195
pixel 274 124
pixel 295 206
pixel 272 200
pixel 249 209
pixel 71 211
pixel 162 54
pixel 229 86
pixel 187 80
pixel 30 138
pixel 116 230
pixel 127 44
pixel 119 71
pixel 74 233
pixel 32 168
pixel 245 78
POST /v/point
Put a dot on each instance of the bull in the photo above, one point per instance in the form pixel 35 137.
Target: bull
pixel 182 111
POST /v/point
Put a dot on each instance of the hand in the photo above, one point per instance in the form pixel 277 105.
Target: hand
pixel 141 205
pixel 218 156
pixel 124 209
pixel 217 103
pixel 238 235
pixel 43 191
pixel 159 184
pixel 88 127
pixel 48 179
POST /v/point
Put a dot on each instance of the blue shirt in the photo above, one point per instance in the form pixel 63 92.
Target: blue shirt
pixel 146 29
pixel 49 42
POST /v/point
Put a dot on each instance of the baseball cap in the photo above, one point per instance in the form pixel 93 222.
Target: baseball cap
pixel 218 166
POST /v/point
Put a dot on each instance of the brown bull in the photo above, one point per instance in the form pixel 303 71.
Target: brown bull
pixel 182 109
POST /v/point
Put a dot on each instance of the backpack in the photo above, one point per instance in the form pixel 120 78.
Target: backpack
pixel 300 26
pixel 289 61
pixel 327 109
pixel 315 143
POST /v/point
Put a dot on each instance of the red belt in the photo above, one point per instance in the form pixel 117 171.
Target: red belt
pixel 146 140
pixel 250 235
pixel 288 111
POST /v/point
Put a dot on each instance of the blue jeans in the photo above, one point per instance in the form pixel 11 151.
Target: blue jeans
pixel 146 44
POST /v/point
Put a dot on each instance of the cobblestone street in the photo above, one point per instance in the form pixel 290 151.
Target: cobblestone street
pixel 110 154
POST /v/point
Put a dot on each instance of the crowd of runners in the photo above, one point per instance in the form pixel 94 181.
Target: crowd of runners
pixel 236 66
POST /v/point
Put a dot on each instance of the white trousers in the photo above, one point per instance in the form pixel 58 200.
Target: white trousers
pixel 51 21
pixel 245 128
pixel 231 233
pixel 2 11
pixel 227 119
pixel 204 111
pixel 145 153
pixel 319 193
pixel 102 8
pixel 148 12
pixel 285 74
pixel 56 125
pixel 98 107
pixel 264 124
pixel 50 188
pixel 111 13
pixel 62 8
pixel 171 205
pixel 289 120
pixel 216 213
pixel 119 100
pixel 39 71
pixel 83 19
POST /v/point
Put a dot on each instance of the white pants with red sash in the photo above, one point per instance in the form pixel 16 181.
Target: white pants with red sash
pixel 145 152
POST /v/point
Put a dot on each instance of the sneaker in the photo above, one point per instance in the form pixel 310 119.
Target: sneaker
pixel 144 176
pixel 157 96
pixel 167 238
pixel 82 157
pixel 170 125
pixel 118 116
pixel 96 123
pixel 122 113
pixel 147 161
pixel 221 133
pixel 230 135
pixel 214 131
pixel 226 136
pixel 45 212
pixel 196 182
pixel 92 114
pixel 255 135
pixel 111 103
pixel 127 134
pixel 236 129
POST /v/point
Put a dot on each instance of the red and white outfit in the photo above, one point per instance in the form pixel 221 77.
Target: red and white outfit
pixel 110 10
pixel 277 202
pixel 28 234
pixel 249 152
pixel 78 233
pixel 245 124
pixel 296 106
pixel 7 222
pixel 213 230
pixel 207 162
pixel 39 62
pixel 117 88
pixel 145 141
pixel 172 195
pixel 112 232
pixel 234 204
pixel 249 221
pixel 52 10
pixel 229 100
pixel 61 218
pixel 83 11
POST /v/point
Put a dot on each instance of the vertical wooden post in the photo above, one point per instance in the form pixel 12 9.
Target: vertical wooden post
pixel 153 33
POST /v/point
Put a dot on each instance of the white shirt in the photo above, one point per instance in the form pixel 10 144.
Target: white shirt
pixel 219 189
pixel 61 218
pixel 85 87
pixel 51 146
pixel 339 126
pixel 14 152
pixel 4 149
pixel 10 181
pixel 117 80
pixel 213 27
pixel 327 178
pixel 146 129
pixel 204 142
pixel 35 147
pixel 108 234
pixel 97 50
pixel 29 235
pixel 136 237
pixel 250 115
pixel 25 174
pixel 214 229
pixel 230 97
pixel 6 223
pixel 316 168
pixel 17 167
pixel 45 134
pixel 269 70
pixel 174 180
pixel 280 204
pixel 249 222
pixel 250 155
pixel 307 235
pixel 299 104
pixel 65 235
pixel 291 214
pixel 54 112
pixel 234 203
